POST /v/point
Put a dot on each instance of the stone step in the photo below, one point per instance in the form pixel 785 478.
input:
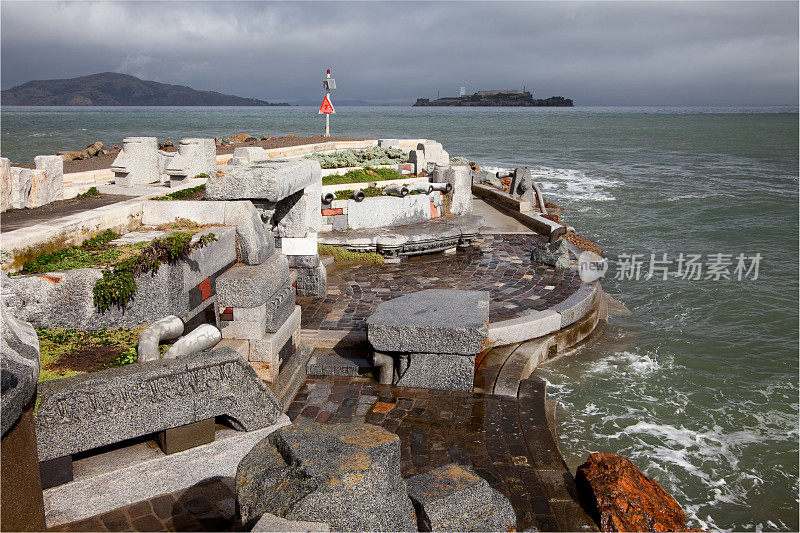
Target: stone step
pixel 291 376
pixel 328 362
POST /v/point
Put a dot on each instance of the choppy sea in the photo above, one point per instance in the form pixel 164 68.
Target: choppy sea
pixel 699 387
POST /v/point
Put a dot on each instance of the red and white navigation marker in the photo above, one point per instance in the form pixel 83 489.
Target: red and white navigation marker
pixel 327 107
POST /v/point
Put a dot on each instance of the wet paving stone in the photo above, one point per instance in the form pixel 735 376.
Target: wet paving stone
pixel 441 427
pixel 499 264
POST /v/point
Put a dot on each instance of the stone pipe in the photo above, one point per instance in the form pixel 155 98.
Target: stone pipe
pixel 386 365
pixel 167 328
pixel 396 190
pixel 443 187
pixel 202 338
pixel 422 187
pixel 328 197
pixel 358 195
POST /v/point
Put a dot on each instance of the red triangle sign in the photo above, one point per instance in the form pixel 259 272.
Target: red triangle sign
pixel 326 107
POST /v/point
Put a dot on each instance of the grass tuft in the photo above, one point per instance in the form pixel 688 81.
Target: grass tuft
pixel 340 254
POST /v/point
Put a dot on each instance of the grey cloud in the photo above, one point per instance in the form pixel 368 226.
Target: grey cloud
pixel 597 53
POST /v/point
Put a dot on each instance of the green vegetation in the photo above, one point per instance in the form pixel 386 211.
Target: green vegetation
pixel 118 284
pixel 346 194
pixel 183 194
pixel 67 352
pixel 458 160
pixel 357 158
pixel 362 175
pixel 93 252
pixel 88 194
pixel 340 254
pixel 121 264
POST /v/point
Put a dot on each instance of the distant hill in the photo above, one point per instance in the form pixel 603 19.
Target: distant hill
pixel 497 98
pixel 114 89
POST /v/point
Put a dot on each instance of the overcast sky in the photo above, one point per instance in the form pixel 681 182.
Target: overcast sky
pixel 607 53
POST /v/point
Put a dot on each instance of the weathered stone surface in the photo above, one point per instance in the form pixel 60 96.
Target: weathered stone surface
pixel 388 211
pixel 66 299
pixel 249 154
pixel 137 163
pixel 621 498
pixel 269 180
pixel 270 522
pixel 195 156
pixel 431 321
pixel 555 254
pixel 345 475
pixel 86 411
pixel 48 181
pixel 490 178
pixel 303 261
pixel 268 348
pixel 19 354
pixel 389 143
pixel 5 184
pixel 417 158
pixel 439 371
pixel 454 498
pixel 312 282
pixel 256 242
pixel 212 258
pixel 252 285
pixel 279 307
pixel 460 177
pixel 299 214
pixel 21 183
pixel 247 323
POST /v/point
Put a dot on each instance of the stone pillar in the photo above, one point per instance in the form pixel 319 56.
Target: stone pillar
pixel 137 163
pixel 5 184
pixel 21 181
pixel 460 177
pixel 48 181
pixel 195 156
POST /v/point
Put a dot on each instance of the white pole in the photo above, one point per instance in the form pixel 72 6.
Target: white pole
pixel 327 124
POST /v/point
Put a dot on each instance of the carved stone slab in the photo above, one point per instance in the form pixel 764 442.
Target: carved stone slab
pixel 83 412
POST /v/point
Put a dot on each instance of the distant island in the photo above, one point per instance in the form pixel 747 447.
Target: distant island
pixel 497 98
pixel 114 89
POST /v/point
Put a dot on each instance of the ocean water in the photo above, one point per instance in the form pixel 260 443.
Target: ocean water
pixel 699 387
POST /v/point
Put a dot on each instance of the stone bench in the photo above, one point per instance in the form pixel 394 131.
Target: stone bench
pixel 431 337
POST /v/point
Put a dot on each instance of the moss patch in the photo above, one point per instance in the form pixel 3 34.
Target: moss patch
pixel 94 252
pixel 118 284
pixel 363 175
pixel 88 194
pixel 67 352
pixel 340 254
pixel 121 264
pixel 192 193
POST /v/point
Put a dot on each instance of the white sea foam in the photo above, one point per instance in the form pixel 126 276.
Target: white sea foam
pixel 569 184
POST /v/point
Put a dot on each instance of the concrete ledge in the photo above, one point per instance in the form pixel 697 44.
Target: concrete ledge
pixel 576 306
pixel 147 476
pixel 523 328
pixel 520 210
pixel 25 243
pixel 157 212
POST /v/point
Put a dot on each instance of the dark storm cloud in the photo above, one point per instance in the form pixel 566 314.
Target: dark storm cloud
pixel 597 53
